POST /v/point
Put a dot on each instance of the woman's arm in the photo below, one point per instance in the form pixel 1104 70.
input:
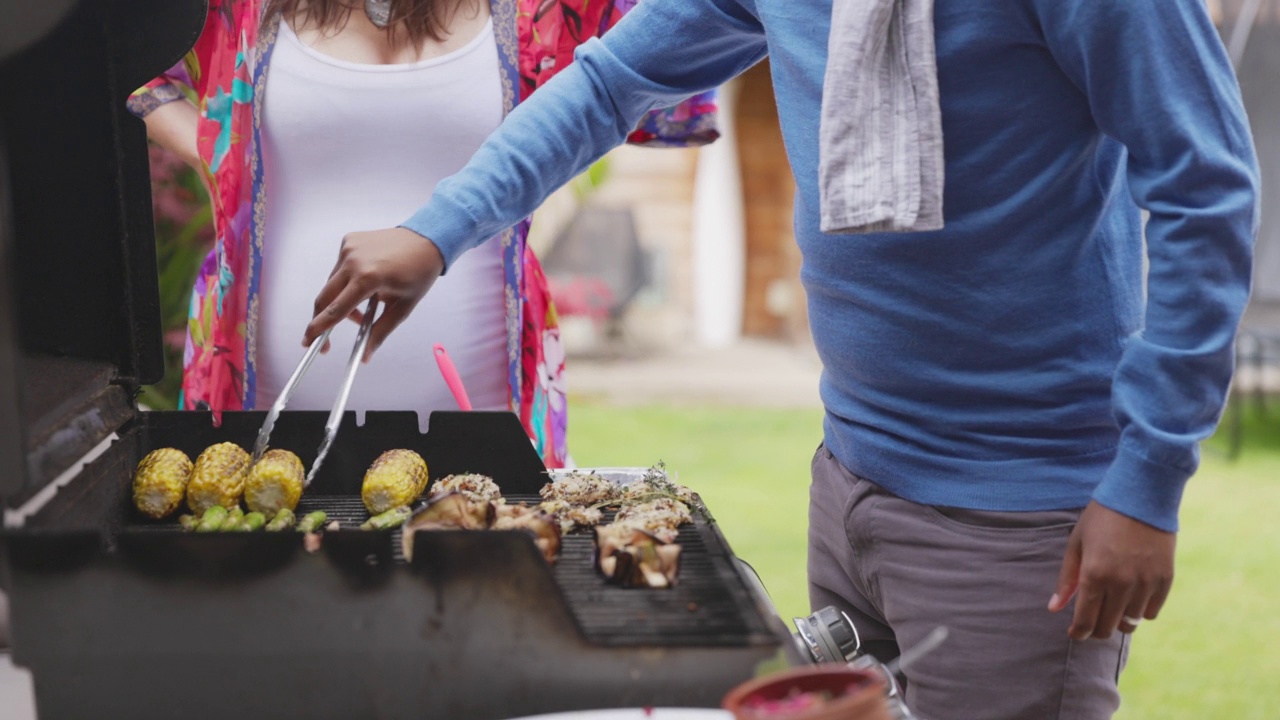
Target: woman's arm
pixel 173 127
pixel 165 105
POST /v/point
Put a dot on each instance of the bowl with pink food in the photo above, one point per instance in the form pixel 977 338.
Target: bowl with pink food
pixel 818 692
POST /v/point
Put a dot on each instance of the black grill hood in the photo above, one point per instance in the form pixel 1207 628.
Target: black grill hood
pixel 79 305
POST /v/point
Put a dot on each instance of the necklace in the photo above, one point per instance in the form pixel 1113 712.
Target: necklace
pixel 379 12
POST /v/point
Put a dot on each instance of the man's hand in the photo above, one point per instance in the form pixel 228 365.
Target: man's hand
pixel 397 265
pixel 1121 569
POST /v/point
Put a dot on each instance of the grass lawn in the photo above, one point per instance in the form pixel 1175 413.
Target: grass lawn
pixel 1215 651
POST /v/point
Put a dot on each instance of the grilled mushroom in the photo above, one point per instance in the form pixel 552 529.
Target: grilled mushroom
pixel 451 511
pixel 635 558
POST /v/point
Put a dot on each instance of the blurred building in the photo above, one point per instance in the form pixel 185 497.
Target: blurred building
pixel 1251 32
pixel 714 225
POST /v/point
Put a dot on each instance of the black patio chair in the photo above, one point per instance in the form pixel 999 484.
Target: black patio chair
pixel 1257 348
pixel 596 267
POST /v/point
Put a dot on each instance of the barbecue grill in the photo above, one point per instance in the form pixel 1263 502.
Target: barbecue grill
pixel 120 616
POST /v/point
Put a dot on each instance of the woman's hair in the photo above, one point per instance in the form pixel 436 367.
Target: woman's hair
pixel 416 19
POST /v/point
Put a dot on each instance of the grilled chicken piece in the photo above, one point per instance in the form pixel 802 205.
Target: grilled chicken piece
pixel 570 517
pixel 396 478
pixel 160 482
pixel 511 517
pixel 583 489
pixel 543 528
pixel 218 477
pixel 274 483
pixel 661 517
pixel 473 485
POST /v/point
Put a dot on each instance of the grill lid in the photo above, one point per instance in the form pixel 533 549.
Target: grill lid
pixel 79 303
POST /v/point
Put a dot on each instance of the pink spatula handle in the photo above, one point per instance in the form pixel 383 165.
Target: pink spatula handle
pixel 451 378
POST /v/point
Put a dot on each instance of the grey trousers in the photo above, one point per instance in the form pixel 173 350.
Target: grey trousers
pixel 900 569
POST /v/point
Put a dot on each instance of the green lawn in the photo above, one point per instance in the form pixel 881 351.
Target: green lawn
pixel 1215 651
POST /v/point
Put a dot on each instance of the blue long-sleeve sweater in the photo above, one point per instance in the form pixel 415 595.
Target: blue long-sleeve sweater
pixel 1010 361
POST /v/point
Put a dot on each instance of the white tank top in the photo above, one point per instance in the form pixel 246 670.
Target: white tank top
pixel 347 147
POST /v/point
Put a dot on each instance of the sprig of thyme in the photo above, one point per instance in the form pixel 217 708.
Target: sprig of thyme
pixel 656 477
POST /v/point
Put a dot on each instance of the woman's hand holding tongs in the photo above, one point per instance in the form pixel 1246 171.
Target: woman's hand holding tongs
pixel 397 265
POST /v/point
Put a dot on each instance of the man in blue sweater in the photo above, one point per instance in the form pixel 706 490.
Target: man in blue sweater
pixel 1011 415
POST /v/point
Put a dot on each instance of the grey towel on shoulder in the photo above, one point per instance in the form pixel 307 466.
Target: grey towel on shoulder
pixel 880 163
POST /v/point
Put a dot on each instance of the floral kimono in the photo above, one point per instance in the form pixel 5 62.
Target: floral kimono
pixel 224 75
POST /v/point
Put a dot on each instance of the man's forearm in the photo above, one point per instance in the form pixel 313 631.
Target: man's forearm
pixel 1158 80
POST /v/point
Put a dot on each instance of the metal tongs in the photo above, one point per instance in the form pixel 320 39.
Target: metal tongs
pixel 339 405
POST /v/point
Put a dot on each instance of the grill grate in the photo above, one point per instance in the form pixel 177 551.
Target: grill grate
pixel 709 606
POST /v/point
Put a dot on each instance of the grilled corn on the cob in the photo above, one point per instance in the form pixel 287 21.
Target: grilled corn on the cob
pixel 274 483
pixel 218 478
pixel 160 482
pixel 397 477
